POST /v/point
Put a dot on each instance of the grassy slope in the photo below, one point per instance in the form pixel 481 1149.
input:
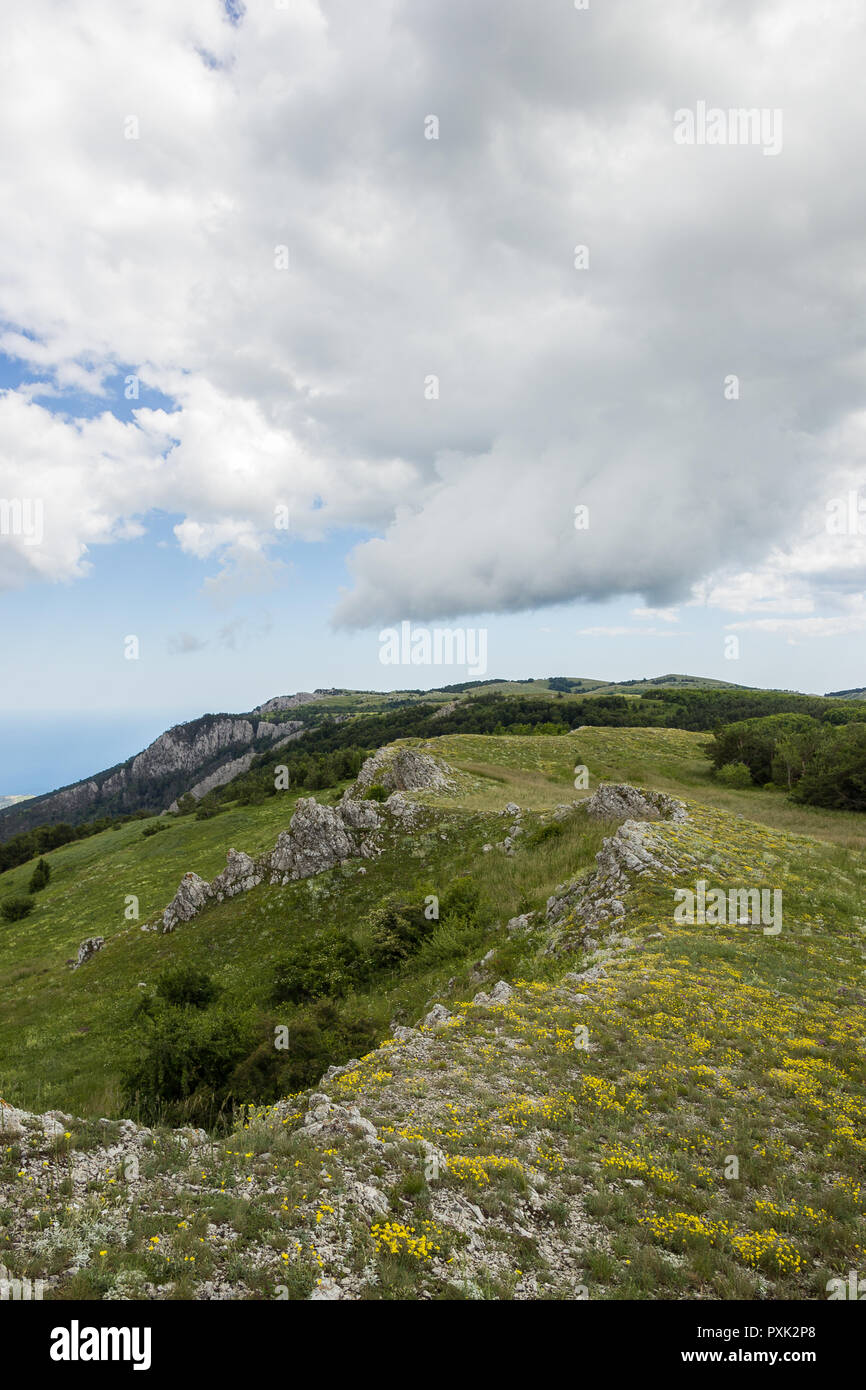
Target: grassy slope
pixel 703 1043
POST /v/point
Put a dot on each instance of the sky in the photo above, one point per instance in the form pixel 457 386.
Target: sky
pixel 533 321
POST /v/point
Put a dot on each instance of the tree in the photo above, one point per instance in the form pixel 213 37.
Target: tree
pixel 40 876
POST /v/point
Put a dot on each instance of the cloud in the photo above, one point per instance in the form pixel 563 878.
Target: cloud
pixel 410 258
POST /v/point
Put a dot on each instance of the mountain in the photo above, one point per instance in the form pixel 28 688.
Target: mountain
pixel 516 1070
pixel 197 756
pixel 211 751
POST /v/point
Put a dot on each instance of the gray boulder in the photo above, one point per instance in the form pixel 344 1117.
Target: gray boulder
pixel 619 801
pixel 438 1014
pixel 401 769
pixel 192 894
pixel 240 874
pixel 88 949
pixel 316 839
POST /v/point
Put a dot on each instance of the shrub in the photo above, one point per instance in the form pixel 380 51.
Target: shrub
pixel 734 775
pixel 396 931
pixel 376 792
pixel 182 1066
pixel 542 833
pixel 13 909
pixel 326 1035
pixel 461 899
pixel 326 965
pixel 40 876
pixel 186 986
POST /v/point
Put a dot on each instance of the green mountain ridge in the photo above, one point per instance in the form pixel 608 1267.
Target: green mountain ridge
pixel 538 1094
pixel 214 748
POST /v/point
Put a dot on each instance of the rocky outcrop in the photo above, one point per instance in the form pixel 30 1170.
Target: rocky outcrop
pixel 438 1014
pixel 501 993
pixel 173 752
pixel 279 734
pixel 16 1123
pixel 444 710
pixel 619 801
pixel 325 1118
pixel 188 901
pixel 194 757
pixel 220 778
pixel 400 770
pixel 281 702
pixel 319 837
pixel 240 874
pixel 633 851
pixel 88 948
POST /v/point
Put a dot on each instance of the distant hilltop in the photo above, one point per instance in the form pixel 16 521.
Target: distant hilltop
pixel 207 753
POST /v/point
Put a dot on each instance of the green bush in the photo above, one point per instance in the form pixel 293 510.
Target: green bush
pixel 181 1069
pixel 396 931
pixel 40 876
pixel 461 899
pixel 734 775
pixel 326 1034
pixel 542 833
pixel 376 792
pixel 13 909
pixel 186 986
pixel 328 964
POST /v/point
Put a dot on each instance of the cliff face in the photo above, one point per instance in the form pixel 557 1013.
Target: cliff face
pixel 194 757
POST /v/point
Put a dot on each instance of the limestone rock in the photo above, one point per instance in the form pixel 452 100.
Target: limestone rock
pixel 325 1118
pixel 501 993
pixel 401 769
pixel 360 815
pixel 634 850
pixel 88 949
pixel 192 894
pixel 326 1291
pixel 517 925
pixel 619 801
pixel 438 1014
pixel 316 840
pixel 239 875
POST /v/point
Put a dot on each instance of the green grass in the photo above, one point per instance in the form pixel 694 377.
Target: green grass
pixel 704 1044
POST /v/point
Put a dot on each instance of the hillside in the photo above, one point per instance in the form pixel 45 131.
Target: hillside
pixel 207 753
pixel 568 1092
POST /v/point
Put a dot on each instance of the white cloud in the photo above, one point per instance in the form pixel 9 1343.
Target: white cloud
pixel 304 127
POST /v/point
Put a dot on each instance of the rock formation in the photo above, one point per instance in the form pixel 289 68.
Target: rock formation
pixel 88 948
pixel 633 851
pixel 401 769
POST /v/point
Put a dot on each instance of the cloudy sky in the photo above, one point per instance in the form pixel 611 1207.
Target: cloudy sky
pixel 318 316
